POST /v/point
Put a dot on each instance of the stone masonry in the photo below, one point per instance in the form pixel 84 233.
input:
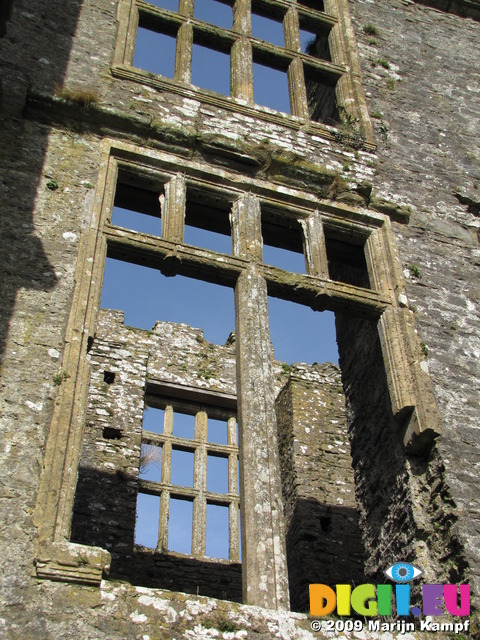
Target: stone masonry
pixel 374 176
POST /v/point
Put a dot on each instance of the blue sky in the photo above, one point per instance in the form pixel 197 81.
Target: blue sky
pixel 298 334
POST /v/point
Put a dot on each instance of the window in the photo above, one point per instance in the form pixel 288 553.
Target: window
pixel 249 58
pixel 180 466
pixel 351 270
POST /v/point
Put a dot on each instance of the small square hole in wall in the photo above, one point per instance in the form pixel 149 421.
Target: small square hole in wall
pixel 155 52
pixel 207 222
pixel 180 526
pixel 153 419
pixel 215 12
pixel 270 87
pixel 321 98
pixel 346 262
pixel 182 468
pixel 217 474
pixel 282 242
pixel 148 514
pixel 171 5
pixel 183 425
pixel 109 377
pixel 150 463
pixel 211 69
pixel 217 531
pixel 268 29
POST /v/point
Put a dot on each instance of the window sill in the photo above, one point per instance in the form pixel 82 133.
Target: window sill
pixel 126 72
pixel 70 562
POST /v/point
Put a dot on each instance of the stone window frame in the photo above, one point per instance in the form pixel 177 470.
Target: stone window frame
pixel 344 69
pixel 409 385
pixel 203 406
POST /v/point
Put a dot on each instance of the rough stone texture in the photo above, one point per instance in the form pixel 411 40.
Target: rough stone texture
pixel 323 538
pixel 425 109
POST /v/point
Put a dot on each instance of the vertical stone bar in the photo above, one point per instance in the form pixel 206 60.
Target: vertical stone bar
pixel 296 77
pixel 162 544
pixel 183 53
pixel 233 520
pixel 173 210
pixel 199 525
pixel 241 67
pixel 314 246
pixel 247 228
pixel 264 565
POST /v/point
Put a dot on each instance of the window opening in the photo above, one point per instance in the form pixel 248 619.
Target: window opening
pixel 299 334
pixel 321 98
pixel 264 79
pixel 153 419
pixel 268 29
pixel 150 462
pixel 146 528
pixel 183 425
pixel 155 52
pixel 217 431
pixel 182 468
pixel 171 5
pixel 180 526
pixel 217 531
pixel 318 5
pixel 207 222
pixel 215 12
pixel 346 262
pixel 314 42
pixel 145 296
pixel 136 221
pixel 199 474
pixel 217 474
pixel 211 69
pixel 282 242
pixel 137 204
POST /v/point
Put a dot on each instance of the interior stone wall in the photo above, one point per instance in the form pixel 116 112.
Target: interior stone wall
pixel 324 542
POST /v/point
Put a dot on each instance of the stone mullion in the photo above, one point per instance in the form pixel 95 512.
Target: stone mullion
pixel 264 566
pixel 183 53
pixel 233 516
pixel 199 524
pixel 173 210
pixel 247 228
pixel 296 76
pixel 162 544
pixel 241 75
pixel 314 246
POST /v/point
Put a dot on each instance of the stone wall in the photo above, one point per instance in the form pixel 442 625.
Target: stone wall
pixel 425 107
pixel 421 79
pixel 323 538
